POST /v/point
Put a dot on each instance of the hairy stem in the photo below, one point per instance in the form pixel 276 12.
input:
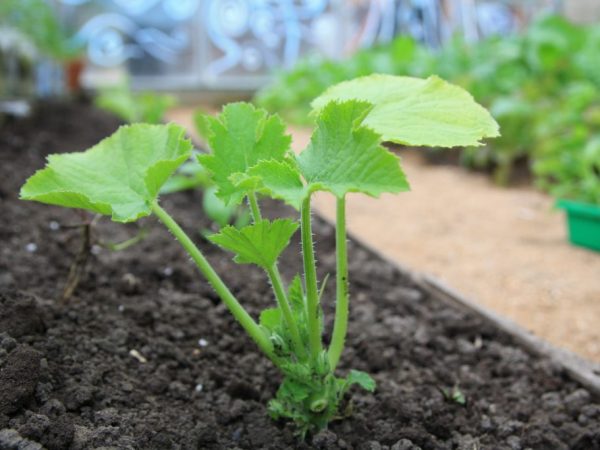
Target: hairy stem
pixel 340 326
pixel 310 279
pixel 283 303
pixel 254 208
pixel 238 311
pixel 278 288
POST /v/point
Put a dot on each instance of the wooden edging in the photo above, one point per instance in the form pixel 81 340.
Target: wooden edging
pixel 585 372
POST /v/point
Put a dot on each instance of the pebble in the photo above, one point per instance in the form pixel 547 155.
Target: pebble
pixel 576 400
pixel 324 439
pixel 31 247
pixel 10 439
pixel 54 225
pixel 405 444
pixel 202 342
pixel 137 355
pixel 514 442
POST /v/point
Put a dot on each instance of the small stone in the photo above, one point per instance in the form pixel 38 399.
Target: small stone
pixel 96 249
pixel 130 284
pixel 31 247
pixel 551 400
pixel 168 271
pixel 202 342
pixel 7 342
pixel 576 400
pixel 405 444
pixel 35 427
pixel 78 396
pixel 324 439
pixel 7 279
pixel 486 424
pixel 137 355
pixel 237 434
pixel 10 439
pixel 178 390
pixel 107 416
pixel 514 442
pixel 510 427
pixel 53 408
pixel 199 387
pixel 54 225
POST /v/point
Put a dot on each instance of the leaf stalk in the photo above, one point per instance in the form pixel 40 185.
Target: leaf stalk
pixel 310 279
pixel 236 309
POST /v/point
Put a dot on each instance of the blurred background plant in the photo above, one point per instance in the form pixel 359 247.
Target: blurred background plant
pixel 542 86
pixel 134 107
pixel 38 58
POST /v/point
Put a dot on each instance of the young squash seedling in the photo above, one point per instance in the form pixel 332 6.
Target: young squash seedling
pixel 251 157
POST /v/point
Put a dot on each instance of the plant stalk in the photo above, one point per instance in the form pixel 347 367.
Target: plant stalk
pixel 340 326
pixel 254 208
pixel 238 311
pixel 283 303
pixel 278 288
pixel 310 279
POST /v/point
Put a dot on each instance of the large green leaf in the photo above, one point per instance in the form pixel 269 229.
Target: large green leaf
pixel 240 137
pixel 414 111
pixel 260 243
pixel 120 176
pixel 344 156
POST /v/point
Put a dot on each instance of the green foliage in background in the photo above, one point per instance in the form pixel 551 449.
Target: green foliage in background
pixel 38 22
pixel 134 107
pixel 543 87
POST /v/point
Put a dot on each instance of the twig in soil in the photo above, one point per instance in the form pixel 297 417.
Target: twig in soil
pixel 77 269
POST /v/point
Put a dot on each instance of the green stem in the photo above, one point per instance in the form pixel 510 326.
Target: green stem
pixel 277 283
pixel 254 208
pixel 310 279
pixel 340 326
pixel 283 303
pixel 218 285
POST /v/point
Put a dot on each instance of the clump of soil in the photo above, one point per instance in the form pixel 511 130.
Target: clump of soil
pixel 145 355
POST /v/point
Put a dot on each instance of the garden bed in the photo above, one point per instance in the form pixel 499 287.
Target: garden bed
pixel 145 356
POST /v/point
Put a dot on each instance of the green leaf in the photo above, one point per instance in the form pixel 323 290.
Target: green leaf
pixel 216 209
pixel 121 176
pixel 270 318
pixel 240 137
pixel 278 179
pixel 296 295
pixel 414 111
pixel 363 379
pixel 344 156
pixel 260 243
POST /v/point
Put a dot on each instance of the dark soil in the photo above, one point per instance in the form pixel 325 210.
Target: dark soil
pixel 146 357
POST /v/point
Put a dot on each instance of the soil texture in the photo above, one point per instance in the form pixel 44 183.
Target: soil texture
pixel 144 356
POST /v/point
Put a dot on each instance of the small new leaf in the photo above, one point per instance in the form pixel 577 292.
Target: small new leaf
pixel 278 179
pixel 240 137
pixel 344 156
pixel 260 243
pixel 414 111
pixel 270 319
pixel 363 379
pixel 119 177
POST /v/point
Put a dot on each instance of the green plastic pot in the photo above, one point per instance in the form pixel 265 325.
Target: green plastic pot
pixel 583 220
